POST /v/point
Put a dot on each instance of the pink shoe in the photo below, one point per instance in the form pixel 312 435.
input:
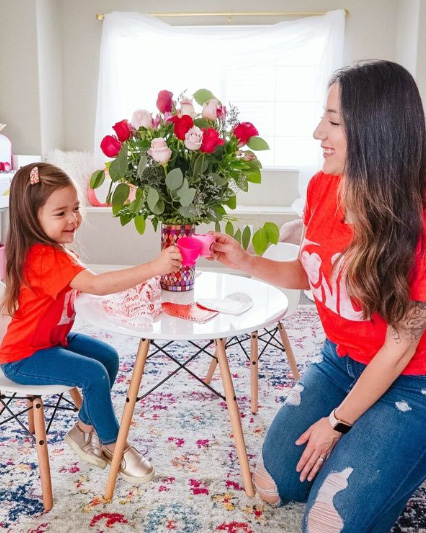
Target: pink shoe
pixel 86 446
pixel 134 467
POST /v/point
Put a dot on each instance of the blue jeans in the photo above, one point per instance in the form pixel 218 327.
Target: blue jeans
pixel 87 363
pixel 373 470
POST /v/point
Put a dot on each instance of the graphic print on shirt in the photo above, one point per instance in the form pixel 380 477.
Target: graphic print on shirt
pixel 68 313
pixel 327 281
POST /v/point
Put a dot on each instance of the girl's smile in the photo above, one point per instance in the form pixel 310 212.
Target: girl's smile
pixel 60 216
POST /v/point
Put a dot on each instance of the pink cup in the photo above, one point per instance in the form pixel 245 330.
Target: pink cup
pixel 190 249
pixel 206 243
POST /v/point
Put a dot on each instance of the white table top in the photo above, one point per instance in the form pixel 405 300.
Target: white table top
pixel 270 305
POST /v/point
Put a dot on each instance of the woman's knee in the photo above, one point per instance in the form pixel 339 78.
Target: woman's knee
pixel 265 485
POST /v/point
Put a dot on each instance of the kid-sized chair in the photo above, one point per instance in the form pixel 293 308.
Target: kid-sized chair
pixel 280 252
pixel 17 400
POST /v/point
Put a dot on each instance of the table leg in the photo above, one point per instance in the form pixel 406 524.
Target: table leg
pixel 126 419
pixel 254 371
pixel 289 351
pixel 212 369
pixel 234 415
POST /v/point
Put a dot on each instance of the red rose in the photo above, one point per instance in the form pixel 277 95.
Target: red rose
pixel 210 140
pixel 164 101
pixel 181 125
pixel 244 131
pixel 122 129
pixel 110 146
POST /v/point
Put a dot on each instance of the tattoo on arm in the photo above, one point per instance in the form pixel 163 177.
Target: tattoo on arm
pixel 413 325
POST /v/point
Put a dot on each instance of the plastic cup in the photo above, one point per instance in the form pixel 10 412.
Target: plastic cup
pixel 190 249
pixel 206 241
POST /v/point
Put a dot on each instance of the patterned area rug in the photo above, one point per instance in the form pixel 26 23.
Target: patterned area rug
pixel 184 429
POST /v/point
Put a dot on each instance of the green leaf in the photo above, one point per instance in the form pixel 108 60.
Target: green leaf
pixel 272 231
pixel 120 195
pixel 97 179
pixel 229 229
pixel 142 164
pixel 217 227
pixel 114 170
pixel 154 222
pixel 200 165
pixel 232 202
pixel 116 209
pixel 260 241
pixel 217 180
pixel 237 235
pixel 253 175
pixel 159 207
pixel 203 95
pixel 152 198
pixel 202 123
pixel 122 159
pixel 245 239
pixel 186 197
pixel 140 224
pixel 125 219
pixel 257 144
pixel 174 179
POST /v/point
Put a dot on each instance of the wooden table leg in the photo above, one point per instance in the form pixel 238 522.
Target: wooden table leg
pixel 254 371
pixel 289 351
pixel 126 418
pixel 234 415
pixel 212 369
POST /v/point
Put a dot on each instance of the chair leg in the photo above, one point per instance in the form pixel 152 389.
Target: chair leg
pixel 42 453
pixel 76 397
pixel 30 415
pixel 289 351
pixel 254 371
pixel 212 369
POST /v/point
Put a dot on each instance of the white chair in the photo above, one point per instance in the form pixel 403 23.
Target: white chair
pixel 279 252
pixel 17 400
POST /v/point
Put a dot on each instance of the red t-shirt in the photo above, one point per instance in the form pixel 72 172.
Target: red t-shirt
pixel 327 235
pixel 45 312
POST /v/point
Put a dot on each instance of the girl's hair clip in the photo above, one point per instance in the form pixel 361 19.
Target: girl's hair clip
pixel 34 176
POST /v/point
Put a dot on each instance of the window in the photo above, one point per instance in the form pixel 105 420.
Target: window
pixel 275 75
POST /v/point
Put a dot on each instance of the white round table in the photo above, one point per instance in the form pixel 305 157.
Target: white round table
pixel 269 307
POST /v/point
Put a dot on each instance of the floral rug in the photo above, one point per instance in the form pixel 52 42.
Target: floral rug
pixel 184 429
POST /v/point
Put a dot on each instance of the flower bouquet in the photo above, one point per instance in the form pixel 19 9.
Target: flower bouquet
pixel 184 166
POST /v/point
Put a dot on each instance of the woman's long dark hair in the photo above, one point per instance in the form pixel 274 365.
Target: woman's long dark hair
pixel 384 185
pixel 25 201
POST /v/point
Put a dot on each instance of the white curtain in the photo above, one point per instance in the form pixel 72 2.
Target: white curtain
pixel 275 75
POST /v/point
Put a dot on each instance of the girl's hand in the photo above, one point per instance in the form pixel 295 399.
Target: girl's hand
pixel 227 250
pixel 169 260
pixel 321 439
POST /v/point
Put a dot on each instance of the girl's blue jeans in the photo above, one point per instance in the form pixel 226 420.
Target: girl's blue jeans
pixel 374 468
pixel 87 363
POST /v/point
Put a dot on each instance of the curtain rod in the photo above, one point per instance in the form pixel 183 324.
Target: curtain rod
pixel 230 14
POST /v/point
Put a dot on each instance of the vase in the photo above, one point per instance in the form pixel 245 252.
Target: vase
pixel 183 279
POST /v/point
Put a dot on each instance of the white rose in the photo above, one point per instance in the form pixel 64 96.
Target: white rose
pixel 210 109
pixel 159 151
pixel 187 108
pixel 141 118
pixel 193 138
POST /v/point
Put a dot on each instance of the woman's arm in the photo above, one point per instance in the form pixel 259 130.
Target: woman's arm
pixel 395 354
pixel 169 260
pixel 288 274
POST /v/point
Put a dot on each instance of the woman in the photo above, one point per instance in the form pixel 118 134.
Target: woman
pixel 350 439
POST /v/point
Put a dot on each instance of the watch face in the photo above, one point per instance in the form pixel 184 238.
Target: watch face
pixel 342 428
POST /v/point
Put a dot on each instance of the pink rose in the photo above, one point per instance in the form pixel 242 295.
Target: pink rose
pixel 122 130
pixel 141 118
pixel 110 146
pixel 181 125
pixel 159 151
pixel 210 140
pixel 165 101
pixel 210 109
pixel 187 108
pixel 193 138
pixel 244 131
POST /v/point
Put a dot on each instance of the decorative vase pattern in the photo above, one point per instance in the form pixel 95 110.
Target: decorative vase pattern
pixel 183 279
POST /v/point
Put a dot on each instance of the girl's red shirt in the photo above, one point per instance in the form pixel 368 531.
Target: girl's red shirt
pixel 45 312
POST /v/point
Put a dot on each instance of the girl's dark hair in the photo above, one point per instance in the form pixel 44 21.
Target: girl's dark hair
pixel 384 185
pixel 25 201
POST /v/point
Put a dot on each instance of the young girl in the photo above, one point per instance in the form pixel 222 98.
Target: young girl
pixel 42 277
pixel 350 440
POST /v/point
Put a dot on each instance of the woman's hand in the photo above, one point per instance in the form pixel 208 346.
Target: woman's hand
pixel 228 251
pixel 321 438
pixel 169 260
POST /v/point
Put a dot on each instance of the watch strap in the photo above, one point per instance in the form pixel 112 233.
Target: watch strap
pixel 338 425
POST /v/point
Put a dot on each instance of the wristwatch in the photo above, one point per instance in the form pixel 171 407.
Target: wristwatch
pixel 338 425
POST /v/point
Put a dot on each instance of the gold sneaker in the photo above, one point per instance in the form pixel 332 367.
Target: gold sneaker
pixel 134 468
pixel 86 446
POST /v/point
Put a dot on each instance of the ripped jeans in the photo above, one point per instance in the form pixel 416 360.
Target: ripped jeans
pixel 373 470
